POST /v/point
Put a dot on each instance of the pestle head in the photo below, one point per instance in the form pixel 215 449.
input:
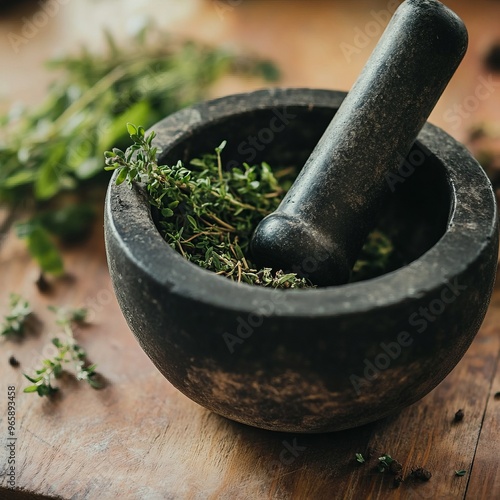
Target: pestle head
pixel 326 216
pixel 278 235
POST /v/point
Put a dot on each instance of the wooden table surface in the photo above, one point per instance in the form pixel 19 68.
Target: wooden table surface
pixel 139 437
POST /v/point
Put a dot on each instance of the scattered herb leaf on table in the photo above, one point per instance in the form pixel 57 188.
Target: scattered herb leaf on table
pixel 57 148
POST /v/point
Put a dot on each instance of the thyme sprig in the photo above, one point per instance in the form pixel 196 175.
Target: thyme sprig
pixel 68 353
pixel 208 213
pixel 15 320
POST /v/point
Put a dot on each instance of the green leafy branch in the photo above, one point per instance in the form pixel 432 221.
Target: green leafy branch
pixel 208 213
pixel 385 462
pixel 68 352
pixel 51 157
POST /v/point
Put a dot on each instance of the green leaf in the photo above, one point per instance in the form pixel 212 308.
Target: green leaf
pixel 192 221
pixel 286 277
pixel 131 129
pixel 79 315
pixel 47 183
pixel 167 212
pixel 20 178
pixel 57 342
pixel 221 146
pixel 31 388
pixel 196 162
pixel 114 132
pixel 120 178
pixel 45 390
pixel 269 71
pixel 460 473
pixel 57 371
pixel 94 383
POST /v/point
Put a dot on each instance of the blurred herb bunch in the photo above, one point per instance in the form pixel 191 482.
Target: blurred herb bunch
pixel 51 157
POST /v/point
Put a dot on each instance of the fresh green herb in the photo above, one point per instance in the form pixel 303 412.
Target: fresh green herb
pixel 377 256
pixel 208 213
pixel 15 319
pixel 384 462
pixel 58 147
pixel 68 351
pixel 360 458
pixel 391 465
pixel 460 473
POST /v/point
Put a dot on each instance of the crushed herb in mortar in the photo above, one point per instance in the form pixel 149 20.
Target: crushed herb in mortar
pixel 208 213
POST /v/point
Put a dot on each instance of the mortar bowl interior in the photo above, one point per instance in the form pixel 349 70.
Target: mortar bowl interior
pixel 309 360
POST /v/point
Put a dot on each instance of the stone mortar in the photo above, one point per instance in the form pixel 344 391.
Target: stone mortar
pixel 315 360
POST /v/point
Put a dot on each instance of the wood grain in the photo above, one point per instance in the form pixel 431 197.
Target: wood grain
pixel 485 476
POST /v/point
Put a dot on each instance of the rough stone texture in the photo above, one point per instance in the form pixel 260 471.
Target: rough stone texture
pixel 334 203
pixel 298 349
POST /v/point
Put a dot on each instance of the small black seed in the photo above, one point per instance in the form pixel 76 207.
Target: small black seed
pixel 497 396
pixel 14 362
pixel 42 284
pixel 395 468
pixel 421 474
pixel 459 415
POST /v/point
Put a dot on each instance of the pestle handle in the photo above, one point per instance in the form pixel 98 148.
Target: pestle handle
pixel 320 226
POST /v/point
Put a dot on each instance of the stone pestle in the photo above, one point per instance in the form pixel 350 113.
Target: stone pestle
pixel 320 227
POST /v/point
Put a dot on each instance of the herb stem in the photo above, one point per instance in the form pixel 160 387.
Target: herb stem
pixel 181 250
pixel 239 271
pixel 221 222
pixel 86 98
